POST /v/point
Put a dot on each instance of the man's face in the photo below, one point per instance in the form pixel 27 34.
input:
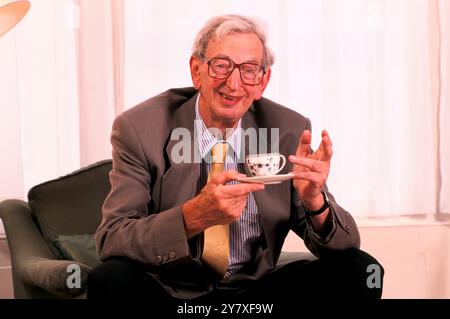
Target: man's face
pixel 224 101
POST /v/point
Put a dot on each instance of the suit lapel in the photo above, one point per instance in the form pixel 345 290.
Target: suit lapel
pixel 179 182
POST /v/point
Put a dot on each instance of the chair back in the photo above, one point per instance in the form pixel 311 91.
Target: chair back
pixel 68 210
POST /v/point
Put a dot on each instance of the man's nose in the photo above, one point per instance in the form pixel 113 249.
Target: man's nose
pixel 234 80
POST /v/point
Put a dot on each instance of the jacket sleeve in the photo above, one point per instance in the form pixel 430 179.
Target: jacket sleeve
pixel 128 227
pixel 344 231
pixel 343 234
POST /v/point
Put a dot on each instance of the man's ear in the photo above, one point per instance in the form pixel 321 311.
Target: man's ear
pixel 194 63
pixel 262 86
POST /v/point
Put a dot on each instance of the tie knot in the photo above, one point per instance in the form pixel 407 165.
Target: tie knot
pixel 219 152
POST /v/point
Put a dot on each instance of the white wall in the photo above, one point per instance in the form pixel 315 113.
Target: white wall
pixel 414 252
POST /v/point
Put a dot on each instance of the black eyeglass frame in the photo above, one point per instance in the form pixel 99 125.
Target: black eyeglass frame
pixel 235 65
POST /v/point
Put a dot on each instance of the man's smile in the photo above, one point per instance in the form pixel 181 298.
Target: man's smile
pixel 229 99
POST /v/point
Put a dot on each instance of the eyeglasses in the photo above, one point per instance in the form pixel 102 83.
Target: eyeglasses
pixel 221 68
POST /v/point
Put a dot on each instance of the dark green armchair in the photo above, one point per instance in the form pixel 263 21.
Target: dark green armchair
pixel 55 231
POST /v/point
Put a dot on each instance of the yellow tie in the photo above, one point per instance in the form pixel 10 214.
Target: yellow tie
pixel 216 247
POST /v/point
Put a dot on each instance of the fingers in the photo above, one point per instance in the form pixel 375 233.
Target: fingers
pixel 325 150
pixel 226 176
pixel 304 144
pixel 243 189
pixel 326 146
pixel 316 170
pixel 312 164
pixel 237 189
pixel 317 179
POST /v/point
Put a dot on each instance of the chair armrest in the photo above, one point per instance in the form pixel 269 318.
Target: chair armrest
pixel 64 278
pixel 32 260
pixel 24 238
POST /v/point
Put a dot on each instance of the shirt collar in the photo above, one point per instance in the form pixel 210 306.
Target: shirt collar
pixel 206 140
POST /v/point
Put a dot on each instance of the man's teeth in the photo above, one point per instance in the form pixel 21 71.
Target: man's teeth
pixel 229 97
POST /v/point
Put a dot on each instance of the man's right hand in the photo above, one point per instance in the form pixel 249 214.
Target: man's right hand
pixel 217 203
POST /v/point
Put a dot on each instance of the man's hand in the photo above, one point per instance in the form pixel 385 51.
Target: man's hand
pixel 311 170
pixel 217 203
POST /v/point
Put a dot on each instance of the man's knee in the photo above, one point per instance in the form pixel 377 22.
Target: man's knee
pixel 359 261
pixel 117 278
pixel 363 272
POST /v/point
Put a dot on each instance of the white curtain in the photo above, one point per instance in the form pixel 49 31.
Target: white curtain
pixel 39 117
pixel 444 102
pixel 374 73
pixel 59 73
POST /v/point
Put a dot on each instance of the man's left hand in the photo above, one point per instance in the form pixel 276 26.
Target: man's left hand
pixel 311 170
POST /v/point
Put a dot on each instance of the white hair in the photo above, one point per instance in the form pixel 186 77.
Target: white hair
pixel 220 26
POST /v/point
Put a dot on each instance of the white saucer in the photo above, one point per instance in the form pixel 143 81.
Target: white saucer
pixel 270 179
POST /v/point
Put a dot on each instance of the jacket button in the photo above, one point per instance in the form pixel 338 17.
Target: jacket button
pixel 159 259
pixel 172 255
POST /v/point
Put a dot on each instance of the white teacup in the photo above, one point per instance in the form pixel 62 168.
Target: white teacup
pixel 265 164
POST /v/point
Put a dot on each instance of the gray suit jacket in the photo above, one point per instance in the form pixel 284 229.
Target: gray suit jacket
pixel 142 217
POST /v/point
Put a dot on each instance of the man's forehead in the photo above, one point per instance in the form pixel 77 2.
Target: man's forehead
pixel 246 46
pixel 249 60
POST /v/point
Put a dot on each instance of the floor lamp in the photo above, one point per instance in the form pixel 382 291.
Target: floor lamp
pixel 11 12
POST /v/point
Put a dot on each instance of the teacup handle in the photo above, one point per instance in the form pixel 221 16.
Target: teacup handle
pixel 282 165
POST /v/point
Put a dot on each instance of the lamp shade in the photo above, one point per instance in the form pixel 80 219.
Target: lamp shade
pixel 11 12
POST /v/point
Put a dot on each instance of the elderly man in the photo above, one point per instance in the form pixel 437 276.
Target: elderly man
pixel 188 229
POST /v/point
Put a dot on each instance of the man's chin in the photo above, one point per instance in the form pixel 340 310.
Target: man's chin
pixel 229 117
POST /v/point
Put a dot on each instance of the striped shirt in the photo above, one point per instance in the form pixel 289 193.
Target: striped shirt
pixel 245 233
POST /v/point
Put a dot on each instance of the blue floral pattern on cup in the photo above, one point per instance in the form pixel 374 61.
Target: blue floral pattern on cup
pixel 265 164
